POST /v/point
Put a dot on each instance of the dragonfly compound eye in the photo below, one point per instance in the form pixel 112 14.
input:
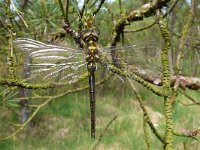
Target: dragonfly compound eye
pixel 90 35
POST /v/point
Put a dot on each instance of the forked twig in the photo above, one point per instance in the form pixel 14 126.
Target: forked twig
pixel 146 116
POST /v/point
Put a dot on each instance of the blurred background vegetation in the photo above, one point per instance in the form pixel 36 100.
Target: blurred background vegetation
pixel 64 123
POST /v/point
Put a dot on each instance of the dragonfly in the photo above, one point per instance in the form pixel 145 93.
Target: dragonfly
pixel 52 62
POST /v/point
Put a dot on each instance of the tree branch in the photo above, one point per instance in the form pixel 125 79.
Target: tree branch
pixel 145 11
pixel 99 6
pixel 75 35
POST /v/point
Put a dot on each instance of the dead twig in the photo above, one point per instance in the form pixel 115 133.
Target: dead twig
pixel 103 133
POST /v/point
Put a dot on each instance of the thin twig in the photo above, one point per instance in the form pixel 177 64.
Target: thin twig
pixel 141 29
pixel 67 11
pixel 85 5
pixel 26 123
pixel 189 134
pixel 110 12
pixel 150 123
pixel 62 8
pixel 65 93
pixel 183 38
pixel 99 7
pixel 103 133
pixel 190 98
pixel 19 13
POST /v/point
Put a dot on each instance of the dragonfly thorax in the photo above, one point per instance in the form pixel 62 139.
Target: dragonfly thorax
pixel 92 52
pixel 90 38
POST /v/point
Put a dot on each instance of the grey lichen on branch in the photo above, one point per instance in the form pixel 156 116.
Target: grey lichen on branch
pixel 166 82
pixel 145 11
pixel 13 82
pixel 23 84
pixel 9 27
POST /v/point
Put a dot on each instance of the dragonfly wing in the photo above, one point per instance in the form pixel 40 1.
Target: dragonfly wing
pixel 143 56
pixel 49 63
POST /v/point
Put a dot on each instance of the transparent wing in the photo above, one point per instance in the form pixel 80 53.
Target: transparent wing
pixel 49 63
pixel 144 56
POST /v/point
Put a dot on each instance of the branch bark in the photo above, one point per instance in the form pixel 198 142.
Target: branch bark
pixel 184 81
pixel 145 11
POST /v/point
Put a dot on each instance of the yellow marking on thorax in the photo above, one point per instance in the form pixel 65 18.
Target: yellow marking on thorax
pixel 92 47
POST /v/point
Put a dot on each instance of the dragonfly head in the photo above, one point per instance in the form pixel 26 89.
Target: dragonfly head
pixel 90 35
pixel 89 32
